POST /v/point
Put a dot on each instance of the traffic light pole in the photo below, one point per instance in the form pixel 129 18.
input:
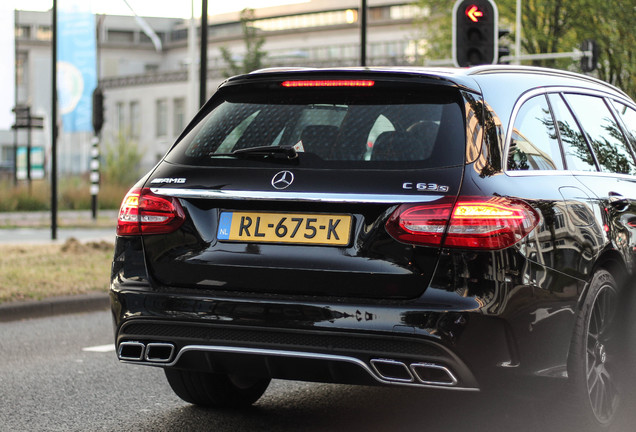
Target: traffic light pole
pixel 94 174
pixel 54 123
pixel 98 122
pixel 575 55
pixel 363 33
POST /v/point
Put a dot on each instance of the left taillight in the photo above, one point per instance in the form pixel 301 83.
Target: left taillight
pixel 470 223
pixel 143 212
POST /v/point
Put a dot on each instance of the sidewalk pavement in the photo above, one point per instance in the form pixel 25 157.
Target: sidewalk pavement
pixel 29 309
pixel 34 228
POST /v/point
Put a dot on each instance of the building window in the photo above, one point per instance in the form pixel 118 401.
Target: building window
pixel 120 112
pixel 120 36
pixel 179 115
pixel 23 32
pixel 318 19
pixel 405 12
pixel 161 125
pixel 144 39
pixel 44 33
pixel 135 119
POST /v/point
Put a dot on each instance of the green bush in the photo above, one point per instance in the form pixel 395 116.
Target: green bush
pixel 122 160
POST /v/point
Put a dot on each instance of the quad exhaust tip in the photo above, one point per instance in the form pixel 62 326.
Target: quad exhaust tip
pixel 159 352
pixel 154 352
pixel 133 351
pixel 422 373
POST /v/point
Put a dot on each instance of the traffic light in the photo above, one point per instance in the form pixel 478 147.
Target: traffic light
pixel 589 63
pixel 98 110
pixel 504 48
pixel 475 32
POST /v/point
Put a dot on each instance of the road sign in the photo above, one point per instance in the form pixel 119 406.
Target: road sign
pixel 33 122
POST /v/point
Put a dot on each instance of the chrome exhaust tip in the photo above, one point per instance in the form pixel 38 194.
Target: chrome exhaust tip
pixel 392 370
pixel 433 374
pixel 131 351
pixel 157 352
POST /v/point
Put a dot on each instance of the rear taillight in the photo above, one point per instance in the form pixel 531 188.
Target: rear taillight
pixel 143 212
pixel 470 223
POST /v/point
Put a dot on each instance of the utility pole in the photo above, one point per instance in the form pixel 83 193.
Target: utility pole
pixel 363 33
pixel 203 72
pixel 54 122
pixel 15 132
pixel 518 34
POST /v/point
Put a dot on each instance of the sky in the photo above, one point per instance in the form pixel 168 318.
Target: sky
pixel 157 8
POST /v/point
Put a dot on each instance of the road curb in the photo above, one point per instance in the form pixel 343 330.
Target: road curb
pixel 21 310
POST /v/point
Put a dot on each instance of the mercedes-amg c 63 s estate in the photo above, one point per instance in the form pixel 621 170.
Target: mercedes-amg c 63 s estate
pixel 448 229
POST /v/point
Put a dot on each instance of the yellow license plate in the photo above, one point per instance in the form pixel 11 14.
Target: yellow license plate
pixel 292 228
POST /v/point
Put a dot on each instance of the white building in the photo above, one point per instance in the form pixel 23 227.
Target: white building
pixel 149 96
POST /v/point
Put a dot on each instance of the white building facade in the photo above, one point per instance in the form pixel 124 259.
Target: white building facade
pixel 150 95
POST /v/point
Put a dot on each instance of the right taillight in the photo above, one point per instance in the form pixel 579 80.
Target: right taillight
pixel 470 223
pixel 143 212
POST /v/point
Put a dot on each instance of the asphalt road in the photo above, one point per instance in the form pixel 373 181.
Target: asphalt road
pixel 49 381
pixel 43 235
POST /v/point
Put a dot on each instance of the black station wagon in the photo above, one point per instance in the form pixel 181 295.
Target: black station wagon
pixel 437 228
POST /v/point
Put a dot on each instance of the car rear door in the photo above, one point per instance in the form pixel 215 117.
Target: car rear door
pixel 308 219
pixel 611 142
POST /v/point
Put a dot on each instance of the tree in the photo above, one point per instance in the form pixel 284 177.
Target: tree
pixel 611 23
pixel 550 26
pixel 254 55
pixel 122 160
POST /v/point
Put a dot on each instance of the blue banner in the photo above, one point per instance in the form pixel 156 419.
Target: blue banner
pixel 76 68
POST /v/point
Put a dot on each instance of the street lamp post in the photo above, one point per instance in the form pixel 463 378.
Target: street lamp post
pixel 203 72
pixel 54 122
pixel 363 33
pixel 518 33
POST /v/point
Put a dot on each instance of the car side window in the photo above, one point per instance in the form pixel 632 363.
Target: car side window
pixel 578 156
pixel 603 133
pixel 534 144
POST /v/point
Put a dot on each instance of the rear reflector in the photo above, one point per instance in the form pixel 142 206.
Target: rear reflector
pixel 329 83
pixel 471 223
pixel 143 212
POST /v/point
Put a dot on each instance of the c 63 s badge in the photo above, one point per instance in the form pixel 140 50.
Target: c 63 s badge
pixel 424 187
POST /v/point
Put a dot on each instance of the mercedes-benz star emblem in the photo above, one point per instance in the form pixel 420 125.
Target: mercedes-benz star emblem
pixel 282 180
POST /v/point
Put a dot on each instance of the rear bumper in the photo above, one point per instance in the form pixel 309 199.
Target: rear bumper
pixel 405 343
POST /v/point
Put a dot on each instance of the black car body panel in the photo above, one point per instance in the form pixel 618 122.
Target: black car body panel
pixel 374 310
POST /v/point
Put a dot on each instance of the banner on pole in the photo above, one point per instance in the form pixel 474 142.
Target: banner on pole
pixel 76 66
pixel 7 65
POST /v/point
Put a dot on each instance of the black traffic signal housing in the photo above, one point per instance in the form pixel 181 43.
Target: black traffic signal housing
pixel 98 110
pixel 504 48
pixel 589 63
pixel 475 32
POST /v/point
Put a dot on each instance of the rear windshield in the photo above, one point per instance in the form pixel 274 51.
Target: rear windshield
pixel 353 128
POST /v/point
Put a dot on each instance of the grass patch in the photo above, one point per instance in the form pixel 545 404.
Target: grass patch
pixel 34 272
pixel 73 194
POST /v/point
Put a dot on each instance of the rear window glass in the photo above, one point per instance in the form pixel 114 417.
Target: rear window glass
pixel 355 128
